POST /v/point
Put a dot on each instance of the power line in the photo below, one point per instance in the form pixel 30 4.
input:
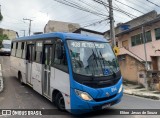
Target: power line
pixel 153 3
pixel 130 7
pixel 98 22
pixel 134 3
pixel 114 8
pixel 146 5
pixel 136 10
pixel 90 6
pixel 125 14
pixel 77 6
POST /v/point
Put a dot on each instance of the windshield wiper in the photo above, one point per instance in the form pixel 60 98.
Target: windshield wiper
pixel 111 69
pixel 95 58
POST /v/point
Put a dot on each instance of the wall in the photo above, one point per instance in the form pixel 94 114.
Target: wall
pixel 130 68
pixel 58 26
pixel 10 33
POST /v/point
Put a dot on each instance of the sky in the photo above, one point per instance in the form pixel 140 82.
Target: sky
pixel 40 11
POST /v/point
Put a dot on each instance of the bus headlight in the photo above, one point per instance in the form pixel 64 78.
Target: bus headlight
pixel 120 89
pixel 83 95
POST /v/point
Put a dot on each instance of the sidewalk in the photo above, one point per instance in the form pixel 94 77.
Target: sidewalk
pixel 1 79
pixel 140 91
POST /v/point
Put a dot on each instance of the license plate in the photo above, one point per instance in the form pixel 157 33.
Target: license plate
pixel 106 106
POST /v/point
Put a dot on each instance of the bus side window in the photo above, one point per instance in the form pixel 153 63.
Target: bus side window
pixel 19 50
pixel 38 52
pixel 60 59
pixel 23 50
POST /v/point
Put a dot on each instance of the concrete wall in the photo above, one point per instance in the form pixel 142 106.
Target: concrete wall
pixel 57 26
pixel 10 33
pixel 130 68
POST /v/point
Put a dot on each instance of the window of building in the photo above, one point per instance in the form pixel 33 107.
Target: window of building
pixel 157 33
pixel 60 59
pixel 148 37
pixel 138 39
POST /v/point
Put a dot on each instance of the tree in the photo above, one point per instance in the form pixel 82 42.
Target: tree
pixel 2 37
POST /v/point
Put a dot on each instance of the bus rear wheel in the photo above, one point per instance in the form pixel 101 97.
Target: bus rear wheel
pixel 59 101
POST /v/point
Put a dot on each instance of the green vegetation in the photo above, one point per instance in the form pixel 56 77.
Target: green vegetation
pixel 2 37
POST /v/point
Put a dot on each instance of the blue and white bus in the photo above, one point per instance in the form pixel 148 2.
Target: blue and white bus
pixel 76 72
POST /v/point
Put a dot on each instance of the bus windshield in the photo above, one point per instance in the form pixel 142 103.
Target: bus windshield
pixel 92 58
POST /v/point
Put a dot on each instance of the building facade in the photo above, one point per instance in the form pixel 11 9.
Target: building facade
pixel 139 41
pixel 130 36
pixel 10 33
pixel 58 26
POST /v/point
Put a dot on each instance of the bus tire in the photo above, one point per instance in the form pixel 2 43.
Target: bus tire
pixel 59 102
pixel 20 78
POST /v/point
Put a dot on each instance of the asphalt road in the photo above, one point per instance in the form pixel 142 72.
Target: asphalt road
pixel 17 96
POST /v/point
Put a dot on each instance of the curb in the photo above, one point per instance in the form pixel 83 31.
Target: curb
pixel 142 94
pixel 1 80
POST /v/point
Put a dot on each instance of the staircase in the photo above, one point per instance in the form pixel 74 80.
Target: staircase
pixel 126 51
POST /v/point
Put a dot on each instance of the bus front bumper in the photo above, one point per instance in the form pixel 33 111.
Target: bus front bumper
pixel 80 106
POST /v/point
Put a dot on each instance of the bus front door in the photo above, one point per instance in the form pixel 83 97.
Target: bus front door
pixel 30 58
pixel 47 69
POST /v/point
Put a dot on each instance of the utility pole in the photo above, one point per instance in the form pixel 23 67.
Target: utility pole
pixel 112 30
pixel 23 32
pixel 144 41
pixel 1 17
pixel 29 31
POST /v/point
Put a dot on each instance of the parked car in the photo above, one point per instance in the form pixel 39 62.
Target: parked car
pixel 6 47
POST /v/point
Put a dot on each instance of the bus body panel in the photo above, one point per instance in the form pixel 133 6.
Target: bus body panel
pixel 61 82
pixel 79 106
pixel 64 81
pixel 37 77
pixel 18 64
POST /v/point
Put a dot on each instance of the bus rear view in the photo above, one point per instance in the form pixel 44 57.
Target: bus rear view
pixel 97 79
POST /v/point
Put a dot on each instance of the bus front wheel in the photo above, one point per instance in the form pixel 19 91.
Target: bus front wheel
pixel 59 101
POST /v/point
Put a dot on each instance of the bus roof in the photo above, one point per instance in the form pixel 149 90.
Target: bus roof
pixel 63 36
